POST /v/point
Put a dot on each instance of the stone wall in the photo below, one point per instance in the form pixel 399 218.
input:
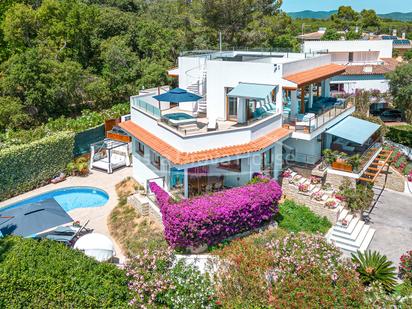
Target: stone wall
pixel 336 180
pixel 145 207
pixel 292 193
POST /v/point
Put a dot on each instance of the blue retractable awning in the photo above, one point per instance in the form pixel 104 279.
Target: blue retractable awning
pixel 253 91
pixel 354 129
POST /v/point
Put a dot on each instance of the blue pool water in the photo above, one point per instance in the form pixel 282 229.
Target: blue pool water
pixel 70 198
pixel 178 116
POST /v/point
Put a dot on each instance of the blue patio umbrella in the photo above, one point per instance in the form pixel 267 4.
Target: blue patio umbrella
pixel 177 95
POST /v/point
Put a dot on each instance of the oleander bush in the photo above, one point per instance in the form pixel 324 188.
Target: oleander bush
pixel 405 266
pixel 47 274
pixel 158 280
pixel 213 218
pixel 295 270
pixel 299 218
pixel 24 167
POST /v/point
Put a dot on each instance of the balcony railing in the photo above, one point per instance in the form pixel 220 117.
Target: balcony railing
pixel 310 124
pixel 146 107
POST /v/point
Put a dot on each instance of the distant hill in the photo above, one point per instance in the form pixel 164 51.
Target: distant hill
pixel 326 14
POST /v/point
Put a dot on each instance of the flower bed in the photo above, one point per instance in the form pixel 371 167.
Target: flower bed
pixel 213 218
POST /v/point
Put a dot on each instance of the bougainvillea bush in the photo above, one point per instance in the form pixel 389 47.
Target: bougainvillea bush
pixel 211 219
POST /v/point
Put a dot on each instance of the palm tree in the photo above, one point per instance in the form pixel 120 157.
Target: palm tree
pixel 374 267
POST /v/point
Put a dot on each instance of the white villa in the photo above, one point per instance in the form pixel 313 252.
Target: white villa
pixel 366 62
pixel 258 111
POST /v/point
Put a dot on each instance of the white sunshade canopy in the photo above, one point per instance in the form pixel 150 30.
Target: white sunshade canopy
pixel 97 246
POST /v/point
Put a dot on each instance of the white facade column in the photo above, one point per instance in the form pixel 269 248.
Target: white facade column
pixel 241 110
pixel 327 87
pixel 277 160
pixel 186 182
pixel 279 100
pixel 310 95
pixel 294 103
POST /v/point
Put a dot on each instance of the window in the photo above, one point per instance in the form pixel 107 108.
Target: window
pixel 140 148
pixel 351 57
pixel 232 165
pixel 267 159
pixel 155 160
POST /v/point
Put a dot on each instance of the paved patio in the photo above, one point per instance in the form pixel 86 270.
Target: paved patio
pixel 392 219
pixel 97 216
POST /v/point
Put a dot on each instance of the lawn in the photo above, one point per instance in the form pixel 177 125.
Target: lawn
pixel 299 218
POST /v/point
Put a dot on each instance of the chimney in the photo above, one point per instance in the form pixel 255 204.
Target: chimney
pixel 403 35
pixel 394 32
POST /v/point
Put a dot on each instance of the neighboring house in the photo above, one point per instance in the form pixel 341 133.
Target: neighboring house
pixel 258 111
pixel 366 61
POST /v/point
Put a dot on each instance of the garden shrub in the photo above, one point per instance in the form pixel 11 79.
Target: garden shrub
pixel 401 135
pixel 213 218
pixel 405 266
pixel 293 271
pixel 47 274
pixel 299 218
pixel 24 167
pixel 157 279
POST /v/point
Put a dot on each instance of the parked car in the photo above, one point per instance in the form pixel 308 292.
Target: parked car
pixel 391 115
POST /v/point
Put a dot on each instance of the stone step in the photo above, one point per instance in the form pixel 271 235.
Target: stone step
pixel 348 218
pixel 342 214
pixel 353 235
pixel 366 242
pixel 347 229
pixel 353 243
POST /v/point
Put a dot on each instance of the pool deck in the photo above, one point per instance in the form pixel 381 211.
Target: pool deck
pixel 97 215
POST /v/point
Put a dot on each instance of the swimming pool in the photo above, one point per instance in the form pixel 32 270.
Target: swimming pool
pixel 69 198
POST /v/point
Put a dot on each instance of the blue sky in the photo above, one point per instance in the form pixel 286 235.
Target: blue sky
pixel 380 6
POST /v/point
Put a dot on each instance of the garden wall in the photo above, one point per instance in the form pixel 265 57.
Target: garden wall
pixel 210 219
pixel 292 193
pixel 24 167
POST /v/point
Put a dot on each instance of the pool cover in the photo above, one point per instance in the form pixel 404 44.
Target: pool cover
pixel 31 219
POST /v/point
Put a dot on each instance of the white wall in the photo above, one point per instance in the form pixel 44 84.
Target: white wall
pixel 142 169
pixel 351 84
pixel 305 64
pixel 221 74
pixel 305 151
pixel 384 47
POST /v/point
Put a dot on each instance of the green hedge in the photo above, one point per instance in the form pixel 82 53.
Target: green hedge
pixel 47 274
pixel 401 135
pixel 24 167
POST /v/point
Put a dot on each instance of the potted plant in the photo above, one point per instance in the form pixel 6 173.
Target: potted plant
pixel 330 203
pixel 303 187
pixel 329 156
pixel 354 161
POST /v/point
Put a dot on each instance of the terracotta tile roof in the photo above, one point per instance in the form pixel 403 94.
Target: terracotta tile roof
pixel 376 69
pixel 315 74
pixel 179 158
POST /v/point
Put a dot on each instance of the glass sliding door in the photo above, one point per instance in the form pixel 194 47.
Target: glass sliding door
pixel 231 106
